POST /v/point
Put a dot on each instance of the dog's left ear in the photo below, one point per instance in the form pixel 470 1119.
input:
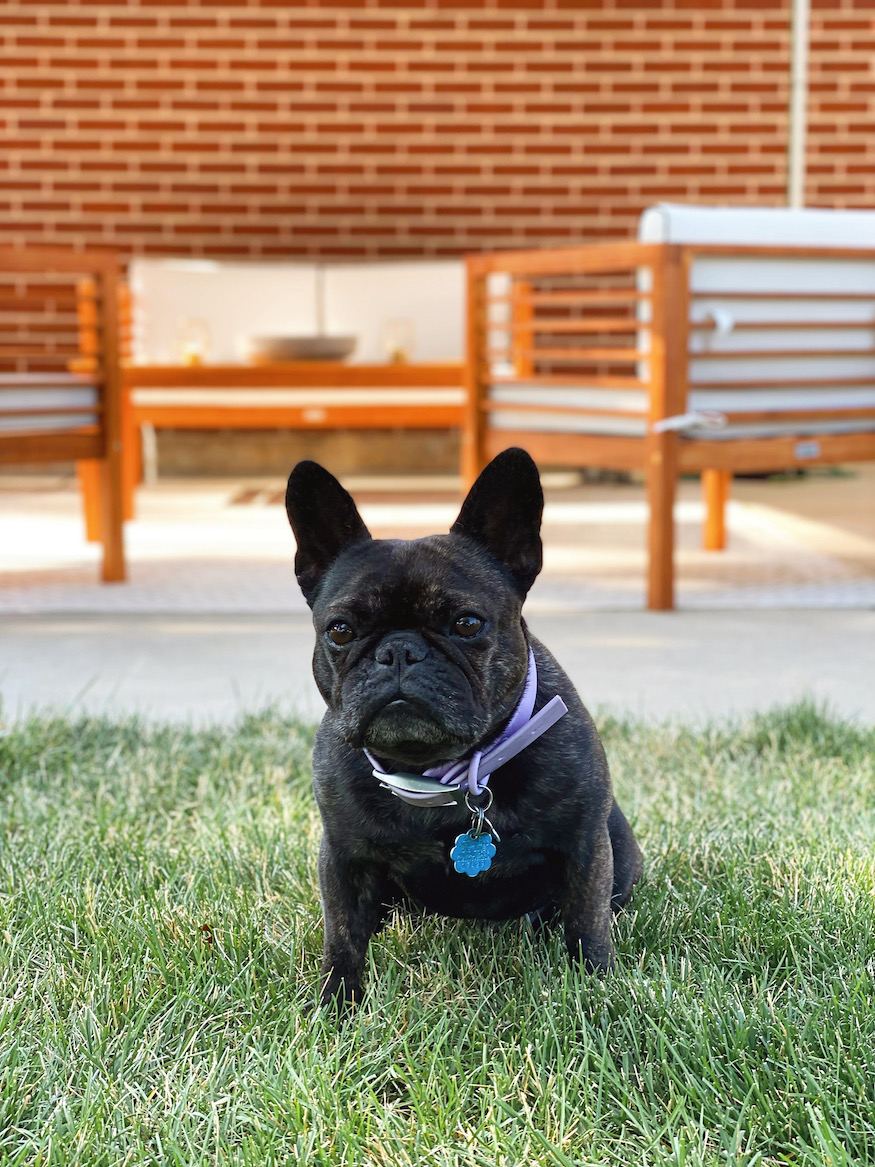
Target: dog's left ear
pixel 325 521
pixel 503 513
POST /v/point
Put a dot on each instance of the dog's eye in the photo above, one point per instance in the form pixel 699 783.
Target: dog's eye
pixel 468 625
pixel 340 632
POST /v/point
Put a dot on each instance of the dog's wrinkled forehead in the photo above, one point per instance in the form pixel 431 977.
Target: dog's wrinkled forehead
pixel 411 580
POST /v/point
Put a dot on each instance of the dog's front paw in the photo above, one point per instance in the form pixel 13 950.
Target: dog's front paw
pixel 595 957
pixel 339 994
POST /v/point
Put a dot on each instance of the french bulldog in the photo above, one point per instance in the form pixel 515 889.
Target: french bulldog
pixel 430 673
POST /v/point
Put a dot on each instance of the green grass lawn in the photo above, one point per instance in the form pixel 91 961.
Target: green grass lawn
pixel 160 936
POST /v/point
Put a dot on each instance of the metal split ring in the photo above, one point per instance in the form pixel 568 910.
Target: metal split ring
pixel 479 813
pixel 478 809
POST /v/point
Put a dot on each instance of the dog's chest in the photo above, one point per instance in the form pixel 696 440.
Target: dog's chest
pixel 520 879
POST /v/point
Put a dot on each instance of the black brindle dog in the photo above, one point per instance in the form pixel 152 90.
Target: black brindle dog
pixel 434 688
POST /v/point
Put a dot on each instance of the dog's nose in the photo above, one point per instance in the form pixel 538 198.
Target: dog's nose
pixel 406 650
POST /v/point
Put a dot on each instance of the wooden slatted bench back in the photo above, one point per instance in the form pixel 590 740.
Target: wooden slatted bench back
pixel 672 358
pixel 59 373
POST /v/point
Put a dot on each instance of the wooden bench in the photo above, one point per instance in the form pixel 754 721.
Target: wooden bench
pixel 58 401
pixel 670 359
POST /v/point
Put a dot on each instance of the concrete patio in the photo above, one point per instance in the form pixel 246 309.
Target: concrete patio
pixel 211 623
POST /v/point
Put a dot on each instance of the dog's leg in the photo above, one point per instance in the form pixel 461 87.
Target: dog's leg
pixel 628 861
pixel 586 909
pixel 353 904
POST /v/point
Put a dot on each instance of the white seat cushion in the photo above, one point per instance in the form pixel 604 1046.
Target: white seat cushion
pixel 835 291
pixel 756 226
pixel 302 397
pixel 25 408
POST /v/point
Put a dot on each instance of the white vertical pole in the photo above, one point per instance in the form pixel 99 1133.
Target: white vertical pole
pixel 798 105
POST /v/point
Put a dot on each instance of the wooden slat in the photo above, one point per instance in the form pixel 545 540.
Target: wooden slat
pixel 51 447
pixel 786 325
pixel 87 367
pixel 38 381
pixel 564 410
pixel 564 381
pixel 800 296
pixel 586 296
pixel 570 354
pixel 549 449
pixel 19 325
pixel 776 354
pixel 329 374
pixel 53 411
pixel 772 454
pixel 13 369
pixel 111 482
pixel 126 330
pixel 522 337
pixel 542 324
pixel 54 301
pixel 777 251
pixel 668 398
pixel 792 383
pixel 15 351
pixel 318 417
pixel 473 456
pixel 786 417
pixel 592 259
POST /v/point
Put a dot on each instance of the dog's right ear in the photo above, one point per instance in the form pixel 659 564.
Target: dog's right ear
pixel 503 513
pixel 325 521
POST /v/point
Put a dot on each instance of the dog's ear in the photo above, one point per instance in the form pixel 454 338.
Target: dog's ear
pixel 324 520
pixel 503 513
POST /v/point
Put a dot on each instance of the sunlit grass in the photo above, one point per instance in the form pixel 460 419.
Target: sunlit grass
pixel 159 948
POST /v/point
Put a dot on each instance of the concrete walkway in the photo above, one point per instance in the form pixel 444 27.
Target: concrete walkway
pixel 203 668
pixel 211 623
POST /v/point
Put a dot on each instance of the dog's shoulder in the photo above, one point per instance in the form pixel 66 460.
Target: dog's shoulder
pixel 572 747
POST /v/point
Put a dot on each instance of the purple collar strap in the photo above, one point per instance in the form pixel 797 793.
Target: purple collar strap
pixel 451 783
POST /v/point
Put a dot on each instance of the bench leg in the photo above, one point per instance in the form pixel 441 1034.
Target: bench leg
pixel 661 485
pixel 471 461
pixel 111 512
pixel 102 503
pixel 715 493
pixel 89 483
pixel 132 467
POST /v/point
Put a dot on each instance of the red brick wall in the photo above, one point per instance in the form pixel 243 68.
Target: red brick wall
pixel 269 128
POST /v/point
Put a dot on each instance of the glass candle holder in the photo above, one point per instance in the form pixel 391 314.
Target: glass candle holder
pixel 193 341
pixel 398 340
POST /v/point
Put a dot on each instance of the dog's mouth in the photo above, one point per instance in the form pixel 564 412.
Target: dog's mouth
pixel 403 731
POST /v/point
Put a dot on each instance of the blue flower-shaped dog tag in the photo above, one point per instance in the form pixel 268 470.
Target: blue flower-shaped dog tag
pixel 472 853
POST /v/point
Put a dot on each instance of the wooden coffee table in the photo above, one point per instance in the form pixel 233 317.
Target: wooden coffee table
pixel 301 395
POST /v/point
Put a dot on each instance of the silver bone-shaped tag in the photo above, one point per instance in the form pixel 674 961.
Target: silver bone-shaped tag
pixel 415 788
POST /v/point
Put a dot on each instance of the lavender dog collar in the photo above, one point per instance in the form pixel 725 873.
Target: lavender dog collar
pixel 449 784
